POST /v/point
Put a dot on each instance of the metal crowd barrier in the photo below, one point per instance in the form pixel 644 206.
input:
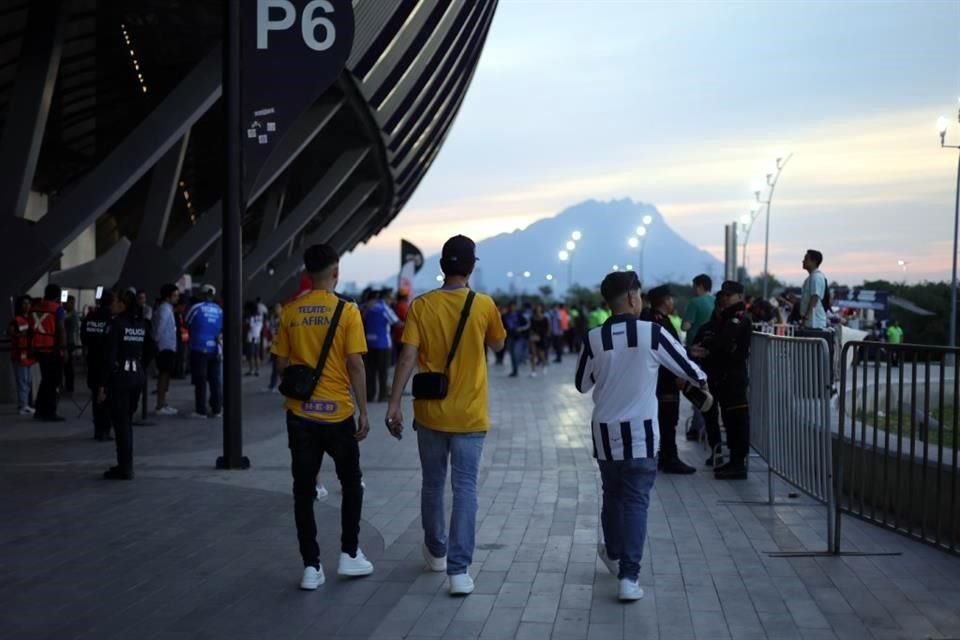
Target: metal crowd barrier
pixel 897 461
pixel 790 416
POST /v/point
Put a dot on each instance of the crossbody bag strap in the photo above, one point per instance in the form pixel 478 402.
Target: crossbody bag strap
pixel 328 341
pixel 463 323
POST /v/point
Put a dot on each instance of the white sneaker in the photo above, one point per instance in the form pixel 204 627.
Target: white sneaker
pixel 30 410
pixel 25 412
pixel 322 492
pixel 438 565
pixel 354 567
pixel 630 590
pixel 167 410
pixel 461 585
pixel 312 578
pixel 533 374
pixel 613 566
pixel 198 416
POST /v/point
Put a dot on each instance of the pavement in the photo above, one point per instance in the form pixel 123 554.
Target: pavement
pixel 186 551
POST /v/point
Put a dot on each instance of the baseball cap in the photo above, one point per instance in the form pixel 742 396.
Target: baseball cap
pixel 320 257
pixel 209 289
pixel 618 283
pixel 458 256
pixel 658 294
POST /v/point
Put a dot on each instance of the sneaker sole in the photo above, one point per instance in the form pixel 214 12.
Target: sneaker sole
pixel 355 573
pixel 461 592
pixel 311 588
pixel 630 598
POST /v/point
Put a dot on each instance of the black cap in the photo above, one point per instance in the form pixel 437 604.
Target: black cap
pixel 731 287
pixel 659 294
pixel 319 257
pixel 459 256
pixel 618 283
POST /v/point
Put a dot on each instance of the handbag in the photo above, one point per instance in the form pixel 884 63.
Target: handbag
pixel 434 385
pixel 299 380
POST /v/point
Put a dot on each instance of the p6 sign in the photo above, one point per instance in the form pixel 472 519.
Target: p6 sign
pixel 292 51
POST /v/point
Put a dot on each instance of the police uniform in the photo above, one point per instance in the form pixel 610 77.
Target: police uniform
pixel 94 338
pixel 668 394
pixel 730 353
pixel 125 339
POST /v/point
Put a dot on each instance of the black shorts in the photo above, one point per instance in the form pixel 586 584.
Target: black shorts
pixel 253 348
pixel 166 361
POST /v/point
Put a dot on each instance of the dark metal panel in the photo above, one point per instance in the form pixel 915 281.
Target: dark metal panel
pixel 272 209
pixel 163 187
pixel 296 220
pixel 29 107
pixel 412 93
pixel 399 46
pixel 198 240
pixel 377 23
pixel 347 237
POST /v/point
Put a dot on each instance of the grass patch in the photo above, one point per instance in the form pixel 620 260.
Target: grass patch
pixel 889 422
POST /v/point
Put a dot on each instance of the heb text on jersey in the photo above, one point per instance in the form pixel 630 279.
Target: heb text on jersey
pixel 325 407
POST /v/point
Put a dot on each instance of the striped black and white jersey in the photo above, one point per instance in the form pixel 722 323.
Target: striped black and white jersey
pixel 620 361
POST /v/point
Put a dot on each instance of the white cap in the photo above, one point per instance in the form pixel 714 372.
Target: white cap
pixel 209 288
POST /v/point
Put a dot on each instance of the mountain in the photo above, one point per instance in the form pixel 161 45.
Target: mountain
pixel 606 228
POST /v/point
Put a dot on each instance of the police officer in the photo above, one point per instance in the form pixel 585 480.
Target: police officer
pixel 94 338
pixel 668 388
pixel 125 341
pixel 725 345
pixel 705 354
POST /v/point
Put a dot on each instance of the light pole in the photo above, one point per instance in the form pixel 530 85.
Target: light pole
pixel 566 255
pixel 746 225
pixel 771 180
pixel 952 333
pixel 640 241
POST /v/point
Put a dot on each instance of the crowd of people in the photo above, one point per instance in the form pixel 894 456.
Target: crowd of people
pixel 330 359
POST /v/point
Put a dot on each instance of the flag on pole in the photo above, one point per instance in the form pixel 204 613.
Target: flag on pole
pixel 411 261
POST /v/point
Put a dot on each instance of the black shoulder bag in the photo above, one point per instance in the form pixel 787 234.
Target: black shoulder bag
pixel 434 385
pixel 299 380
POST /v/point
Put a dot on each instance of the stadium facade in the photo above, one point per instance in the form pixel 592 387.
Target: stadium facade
pixel 112 138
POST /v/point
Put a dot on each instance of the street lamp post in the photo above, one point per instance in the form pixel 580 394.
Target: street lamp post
pixel 566 255
pixel 772 179
pixel 952 333
pixel 639 241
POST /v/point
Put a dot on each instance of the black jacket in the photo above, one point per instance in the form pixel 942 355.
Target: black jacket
pixel 126 344
pixel 93 335
pixel 666 381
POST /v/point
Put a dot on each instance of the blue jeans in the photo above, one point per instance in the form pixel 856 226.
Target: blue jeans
pixel 24 385
pixel 518 351
pixel 626 498
pixel 463 452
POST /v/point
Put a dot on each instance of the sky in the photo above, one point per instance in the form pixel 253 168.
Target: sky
pixel 685 105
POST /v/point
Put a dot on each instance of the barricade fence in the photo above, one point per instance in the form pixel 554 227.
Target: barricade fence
pixel 897 442
pixel 790 415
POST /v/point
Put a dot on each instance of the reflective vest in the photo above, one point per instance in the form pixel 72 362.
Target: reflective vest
pixel 43 326
pixel 19 332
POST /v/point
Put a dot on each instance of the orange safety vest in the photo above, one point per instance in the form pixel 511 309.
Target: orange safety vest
pixel 19 332
pixel 43 326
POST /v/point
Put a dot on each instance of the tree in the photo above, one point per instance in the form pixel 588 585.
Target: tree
pixel 546 291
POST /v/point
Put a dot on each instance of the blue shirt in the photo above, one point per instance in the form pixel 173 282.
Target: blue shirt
pixel 377 320
pixel 206 324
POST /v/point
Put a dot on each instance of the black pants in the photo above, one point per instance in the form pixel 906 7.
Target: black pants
pixel 102 422
pixel 378 361
pixel 123 394
pixel 736 421
pixel 51 374
pixel 558 348
pixel 668 415
pixel 308 442
pixel 205 369
pixel 68 376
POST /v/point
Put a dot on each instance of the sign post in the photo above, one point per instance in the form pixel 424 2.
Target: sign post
pixel 279 57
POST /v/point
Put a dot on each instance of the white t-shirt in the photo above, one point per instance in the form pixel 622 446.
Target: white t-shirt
pixel 255 328
pixel 814 285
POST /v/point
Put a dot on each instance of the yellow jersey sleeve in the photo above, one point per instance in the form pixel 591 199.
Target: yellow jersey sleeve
pixel 356 341
pixel 411 330
pixel 495 330
pixel 281 342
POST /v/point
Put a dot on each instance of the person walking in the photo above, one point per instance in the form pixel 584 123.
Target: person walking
pixel 165 337
pixel 668 391
pixel 619 363
pixel 446 336
pixel 94 337
pixel 320 333
pixel 20 355
pixel 205 320
pixel 126 339
pixel 519 339
pixel 539 340
pixel 253 337
pixel 378 318
pixel 48 342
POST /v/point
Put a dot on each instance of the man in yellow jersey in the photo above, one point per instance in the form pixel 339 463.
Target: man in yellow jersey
pixel 325 423
pixel 450 431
